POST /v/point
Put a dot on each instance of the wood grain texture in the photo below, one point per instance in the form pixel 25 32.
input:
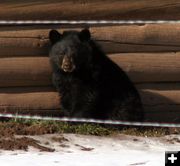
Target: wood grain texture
pixel 25 71
pixel 89 10
pixel 113 39
pixel 161 103
pixel 150 67
pixel 141 68
pixel 30 100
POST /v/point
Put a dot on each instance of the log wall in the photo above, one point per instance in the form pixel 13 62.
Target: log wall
pixel 33 40
pixel 161 101
pixel 25 72
pixel 140 67
pixel 89 10
pixel 148 53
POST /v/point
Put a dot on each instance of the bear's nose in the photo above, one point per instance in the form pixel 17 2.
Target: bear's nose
pixel 67 64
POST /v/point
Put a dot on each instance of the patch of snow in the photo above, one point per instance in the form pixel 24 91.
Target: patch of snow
pixel 83 150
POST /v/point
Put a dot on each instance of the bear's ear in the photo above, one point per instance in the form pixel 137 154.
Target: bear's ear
pixel 85 35
pixel 54 36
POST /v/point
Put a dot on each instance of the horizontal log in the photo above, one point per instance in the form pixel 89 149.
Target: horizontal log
pixel 159 86
pixel 30 100
pixel 37 98
pixel 161 102
pixel 149 67
pixel 144 67
pixel 27 71
pixel 89 10
pixel 45 101
pixel 162 98
pixel 113 39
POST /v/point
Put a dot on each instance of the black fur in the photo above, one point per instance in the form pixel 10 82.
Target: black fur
pixel 95 87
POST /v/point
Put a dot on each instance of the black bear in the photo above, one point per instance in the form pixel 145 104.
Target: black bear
pixel 89 83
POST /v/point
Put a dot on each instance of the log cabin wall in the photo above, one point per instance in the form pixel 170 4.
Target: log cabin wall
pixel 89 10
pixel 148 53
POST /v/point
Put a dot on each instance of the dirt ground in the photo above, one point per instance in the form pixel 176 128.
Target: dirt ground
pixel 17 135
pixel 14 136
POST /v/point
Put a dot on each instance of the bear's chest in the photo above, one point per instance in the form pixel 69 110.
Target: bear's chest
pixel 74 85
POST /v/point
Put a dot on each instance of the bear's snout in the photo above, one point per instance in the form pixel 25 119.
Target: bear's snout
pixel 67 64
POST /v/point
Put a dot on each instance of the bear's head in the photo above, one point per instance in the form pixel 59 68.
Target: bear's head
pixel 70 50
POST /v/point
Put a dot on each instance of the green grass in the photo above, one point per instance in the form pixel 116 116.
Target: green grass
pixel 33 127
pixel 64 127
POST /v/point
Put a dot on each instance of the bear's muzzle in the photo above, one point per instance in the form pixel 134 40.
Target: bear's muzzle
pixel 67 64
